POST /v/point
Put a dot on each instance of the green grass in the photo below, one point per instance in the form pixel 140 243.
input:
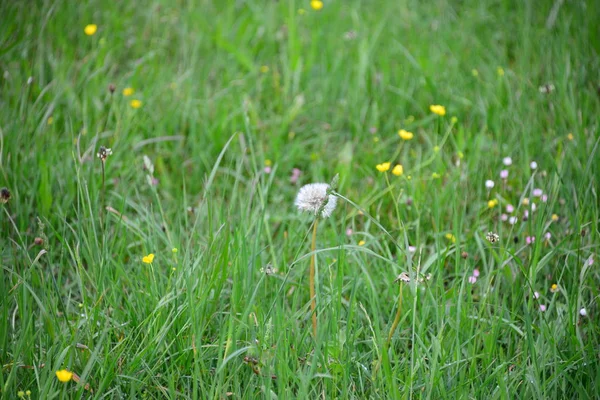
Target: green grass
pixel 229 86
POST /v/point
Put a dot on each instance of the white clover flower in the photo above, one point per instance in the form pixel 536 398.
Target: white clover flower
pixel 313 198
pixel 489 184
pixel 507 161
pixel 533 165
pixel 583 312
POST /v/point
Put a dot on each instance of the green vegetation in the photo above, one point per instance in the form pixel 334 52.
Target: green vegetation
pixel 208 108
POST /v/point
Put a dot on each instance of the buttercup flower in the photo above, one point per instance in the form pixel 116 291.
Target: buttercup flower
pixel 492 203
pixel 316 5
pixel 128 91
pixel 64 376
pixel 398 170
pixel 314 198
pixel 361 243
pixel 90 29
pixel 437 109
pixel 554 217
pixel 405 135
pixel 383 166
pixel 554 288
pixel 451 237
pixel 570 136
pixel 148 259
pixel 135 103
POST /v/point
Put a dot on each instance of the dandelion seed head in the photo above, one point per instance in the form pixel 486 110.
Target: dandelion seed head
pixel 489 184
pixel 313 197
pixel 507 161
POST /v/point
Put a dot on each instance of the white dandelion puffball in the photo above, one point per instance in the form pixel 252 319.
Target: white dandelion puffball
pixel 313 197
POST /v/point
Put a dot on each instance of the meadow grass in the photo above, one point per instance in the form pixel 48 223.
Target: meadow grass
pixel 231 97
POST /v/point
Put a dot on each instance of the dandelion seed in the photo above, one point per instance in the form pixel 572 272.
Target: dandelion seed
pixel 438 109
pixel 542 307
pixel 489 184
pixel 507 161
pixel 504 174
pixel 405 135
pixel 583 312
pixel 533 165
pixel 316 5
pixel 537 192
pixel 128 91
pixel 492 237
pixel 383 167
pixel 64 376
pixel 90 29
pixel 135 103
pixel 148 259
pixel 314 198
pixel 554 288
pixel 398 170
pixel 4 195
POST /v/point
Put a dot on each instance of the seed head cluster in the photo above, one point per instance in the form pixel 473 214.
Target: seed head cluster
pixel 314 198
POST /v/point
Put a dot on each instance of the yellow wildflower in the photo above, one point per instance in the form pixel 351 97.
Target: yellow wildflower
pixel 554 217
pixel 405 135
pixel 316 4
pixel 128 91
pixel 50 120
pixel 361 243
pixel 570 136
pixel 174 249
pixel 148 259
pixel 451 237
pixel 383 166
pixel 435 175
pixel 90 29
pixel 135 103
pixel 268 163
pixel 437 109
pixel 525 201
pixel 554 288
pixel 398 170
pixel 64 376
pixel 492 203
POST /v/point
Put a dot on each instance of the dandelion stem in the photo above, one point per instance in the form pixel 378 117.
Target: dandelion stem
pixel 396 319
pixel 313 297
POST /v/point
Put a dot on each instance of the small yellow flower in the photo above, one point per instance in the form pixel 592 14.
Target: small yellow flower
pixel 454 119
pixel 316 4
pixel 264 69
pixel 451 237
pixel 492 203
pixel 50 120
pixel 525 201
pixel 135 103
pixel 383 166
pixel 437 109
pixel 570 136
pixel 554 217
pixel 268 163
pixel 405 135
pixel 128 91
pixel 361 243
pixel 174 249
pixel 554 288
pixel 398 170
pixel 474 72
pixel 435 175
pixel 500 71
pixel 64 376
pixel 90 29
pixel 148 259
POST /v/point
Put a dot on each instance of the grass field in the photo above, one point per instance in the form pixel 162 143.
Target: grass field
pixel 178 266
